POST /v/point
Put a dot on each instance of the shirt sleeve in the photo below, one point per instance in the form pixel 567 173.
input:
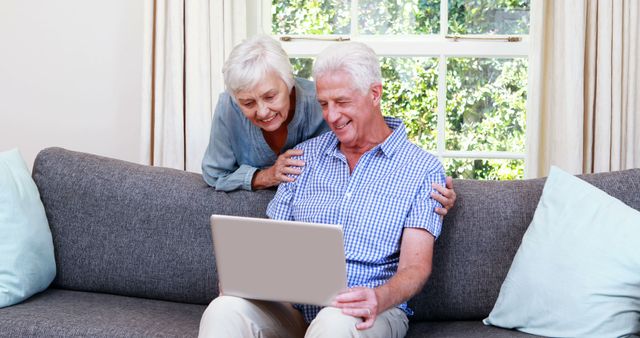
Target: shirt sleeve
pixel 219 165
pixel 280 206
pixel 422 213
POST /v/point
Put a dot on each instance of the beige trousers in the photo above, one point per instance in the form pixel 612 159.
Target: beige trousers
pixel 229 316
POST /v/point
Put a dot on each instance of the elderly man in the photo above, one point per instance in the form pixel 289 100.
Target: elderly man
pixel 366 176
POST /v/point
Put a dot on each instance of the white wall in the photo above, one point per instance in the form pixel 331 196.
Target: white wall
pixel 71 76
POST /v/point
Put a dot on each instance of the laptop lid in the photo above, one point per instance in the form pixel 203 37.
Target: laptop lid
pixel 282 261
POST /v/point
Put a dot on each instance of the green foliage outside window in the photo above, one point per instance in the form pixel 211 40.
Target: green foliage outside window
pixel 488 16
pixel 410 92
pixel 399 17
pixel 311 17
pixel 486 97
pixel 485 111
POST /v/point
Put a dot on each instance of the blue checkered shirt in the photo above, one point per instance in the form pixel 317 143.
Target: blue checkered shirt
pixel 388 190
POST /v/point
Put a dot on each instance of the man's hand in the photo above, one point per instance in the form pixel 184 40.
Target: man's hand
pixel 279 171
pixel 359 302
pixel 446 196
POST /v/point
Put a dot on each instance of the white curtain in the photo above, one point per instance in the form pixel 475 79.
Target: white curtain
pixel 584 99
pixel 185 46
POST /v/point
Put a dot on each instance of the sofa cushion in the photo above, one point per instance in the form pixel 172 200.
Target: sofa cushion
pixel 63 313
pixel 480 237
pixel 134 230
pixel 27 265
pixel 457 329
pixel 576 271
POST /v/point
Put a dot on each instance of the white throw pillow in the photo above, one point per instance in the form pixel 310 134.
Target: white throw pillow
pixel 577 271
pixel 27 264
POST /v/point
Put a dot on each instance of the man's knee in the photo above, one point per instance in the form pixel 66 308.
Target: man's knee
pixel 225 306
pixel 331 322
pixel 223 314
pixel 229 316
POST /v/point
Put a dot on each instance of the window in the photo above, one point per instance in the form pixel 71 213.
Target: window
pixel 455 71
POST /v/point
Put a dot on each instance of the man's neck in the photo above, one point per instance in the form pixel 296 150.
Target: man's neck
pixel 379 132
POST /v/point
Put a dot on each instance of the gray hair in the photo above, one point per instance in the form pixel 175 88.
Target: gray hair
pixel 250 61
pixel 355 58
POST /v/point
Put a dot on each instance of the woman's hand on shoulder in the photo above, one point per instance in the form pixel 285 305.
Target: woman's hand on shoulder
pixel 280 171
pixel 445 195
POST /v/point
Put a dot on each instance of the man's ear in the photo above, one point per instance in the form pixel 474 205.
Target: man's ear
pixel 376 92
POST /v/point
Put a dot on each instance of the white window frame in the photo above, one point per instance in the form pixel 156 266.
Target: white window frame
pixel 434 45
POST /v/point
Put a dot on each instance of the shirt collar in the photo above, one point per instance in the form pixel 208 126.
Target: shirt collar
pixel 387 147
pixel 399 134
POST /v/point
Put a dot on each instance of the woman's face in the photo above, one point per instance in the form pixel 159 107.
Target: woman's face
pixel 266 104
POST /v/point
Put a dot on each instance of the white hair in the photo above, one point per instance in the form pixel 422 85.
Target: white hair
pixel 355 58
pixel 254 58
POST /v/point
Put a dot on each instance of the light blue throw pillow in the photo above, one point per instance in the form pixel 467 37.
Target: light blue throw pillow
pixel 27 264
pixel 577 271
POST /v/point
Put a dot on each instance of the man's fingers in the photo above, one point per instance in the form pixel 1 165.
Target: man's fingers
pixel 365 313
pixel 350 306
pixel 351 296
pixel 367 324
pixel 358 302
pixel 357 311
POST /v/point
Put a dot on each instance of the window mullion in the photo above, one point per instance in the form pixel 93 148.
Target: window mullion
pixel 442 104
pixel 409 47
pixel 442 83
pixel 444 17
pixel 354 18
pixel 474 154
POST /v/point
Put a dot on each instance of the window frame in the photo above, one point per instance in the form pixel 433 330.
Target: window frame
pixel 439 46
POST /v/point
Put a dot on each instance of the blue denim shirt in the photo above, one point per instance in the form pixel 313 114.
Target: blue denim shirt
pixel 237 148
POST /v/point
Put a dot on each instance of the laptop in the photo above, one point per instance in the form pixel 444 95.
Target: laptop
pixel 281 261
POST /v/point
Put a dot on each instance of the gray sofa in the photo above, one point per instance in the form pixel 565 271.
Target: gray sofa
pixel 134 254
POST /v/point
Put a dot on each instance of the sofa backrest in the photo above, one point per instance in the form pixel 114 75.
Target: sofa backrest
pixel 134 230
pixel 481 235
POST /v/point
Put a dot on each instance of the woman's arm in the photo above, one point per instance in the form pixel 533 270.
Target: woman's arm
pixel 220 167
pixel 281 171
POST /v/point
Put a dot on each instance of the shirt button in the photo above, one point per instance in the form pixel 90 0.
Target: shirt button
pixel 347 195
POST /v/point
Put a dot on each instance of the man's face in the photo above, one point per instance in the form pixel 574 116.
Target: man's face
pixel 266 104
pixel 345 108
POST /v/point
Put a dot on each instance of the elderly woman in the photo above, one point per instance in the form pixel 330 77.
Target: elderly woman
pixel 261 116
